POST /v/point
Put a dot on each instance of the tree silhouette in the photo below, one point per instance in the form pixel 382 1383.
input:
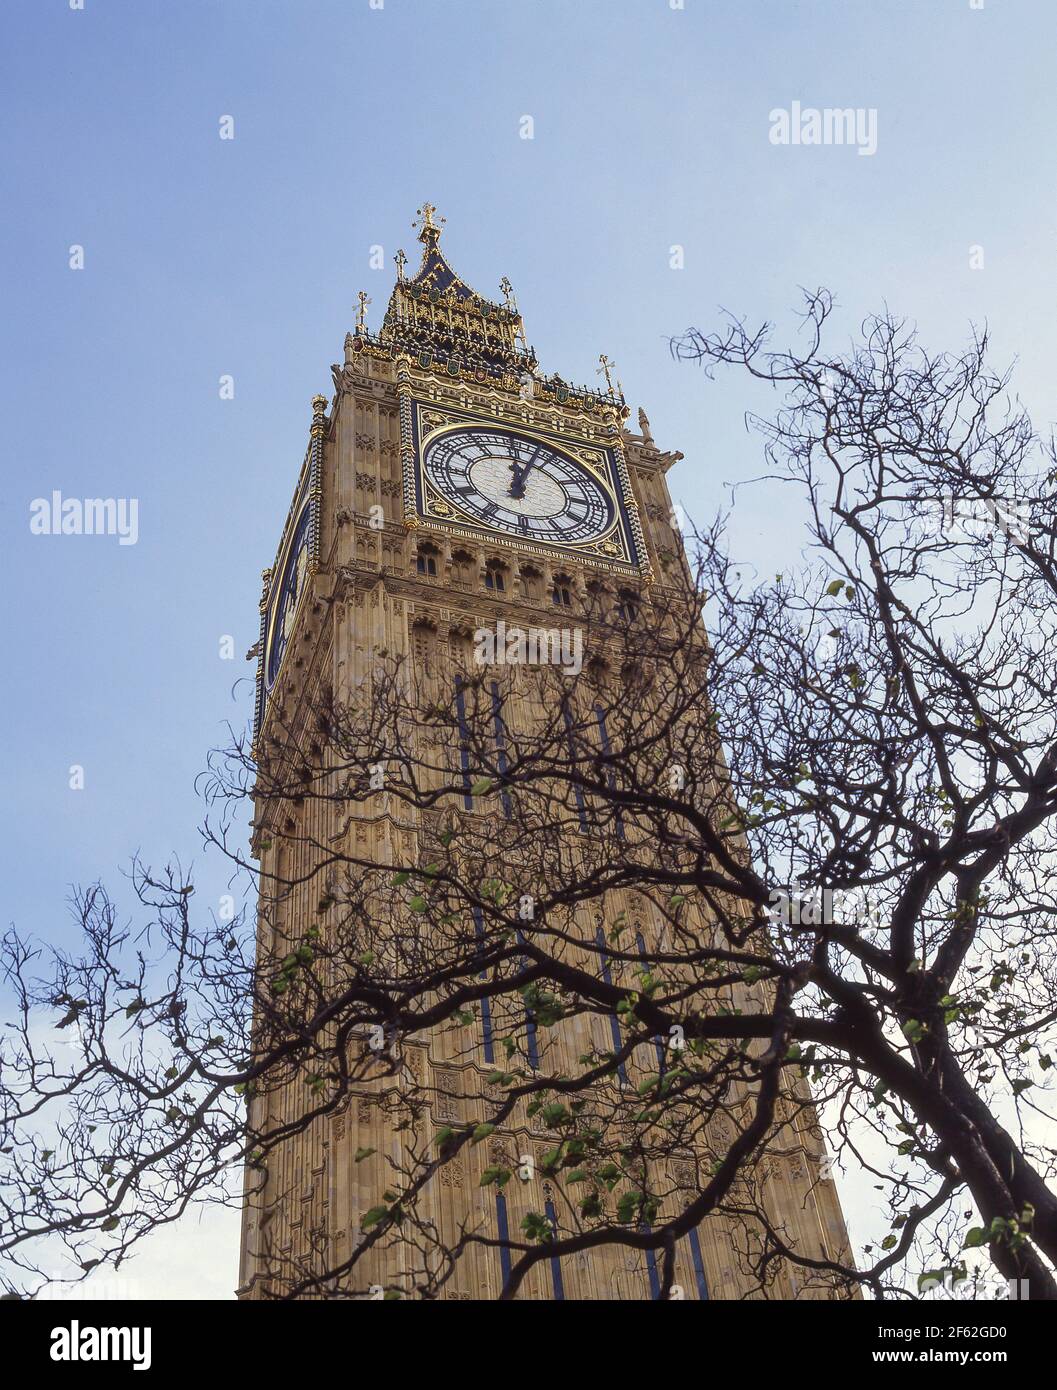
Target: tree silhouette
pixel 834 819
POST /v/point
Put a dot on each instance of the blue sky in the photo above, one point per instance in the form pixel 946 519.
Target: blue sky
pixel 205 257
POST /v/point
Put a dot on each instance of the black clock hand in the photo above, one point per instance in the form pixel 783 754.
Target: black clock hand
pixel 521 472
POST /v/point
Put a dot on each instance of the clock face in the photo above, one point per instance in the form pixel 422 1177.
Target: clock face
pixel 518 484
pixel 287 592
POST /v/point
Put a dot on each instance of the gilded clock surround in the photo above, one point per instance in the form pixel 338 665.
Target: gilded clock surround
pixel 425 419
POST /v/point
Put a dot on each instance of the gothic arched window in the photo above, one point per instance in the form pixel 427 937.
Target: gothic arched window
pixel 597 673
pixel 532 582
pixel 495 577
pixel 562 592
pixel 461 566
pixel 460 649
pixel 426 560
pixel 627 606
pixel 423 648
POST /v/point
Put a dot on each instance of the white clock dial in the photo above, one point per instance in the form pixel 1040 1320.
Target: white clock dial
pixel 518 484
pixel 539 495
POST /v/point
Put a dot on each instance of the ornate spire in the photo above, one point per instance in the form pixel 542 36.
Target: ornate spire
pixel 444 324
pixel 428 231
pixel 436 311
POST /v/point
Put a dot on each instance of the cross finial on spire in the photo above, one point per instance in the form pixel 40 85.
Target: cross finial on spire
pixel 401 261
pixel 510 302
pixel 428 229
pixel 361 316
pixel 608 366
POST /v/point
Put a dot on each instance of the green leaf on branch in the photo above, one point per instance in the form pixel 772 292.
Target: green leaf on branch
pixel 373 1217
pixel 628 1205
pixel 537 1228
pixel 497 1176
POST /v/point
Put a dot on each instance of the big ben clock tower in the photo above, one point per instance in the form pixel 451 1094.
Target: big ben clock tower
pixel 449 485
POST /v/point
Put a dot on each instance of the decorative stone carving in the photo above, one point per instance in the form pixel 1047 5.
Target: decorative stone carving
pixel 497 1151
pixel 684 1172
pixel 414 1059
pixel 451 1174
pixel 446 1101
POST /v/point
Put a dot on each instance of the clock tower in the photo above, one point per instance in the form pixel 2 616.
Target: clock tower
pixel 450 486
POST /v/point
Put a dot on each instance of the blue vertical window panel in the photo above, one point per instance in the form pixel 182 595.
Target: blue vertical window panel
pixel 500 743
pixel 464 756
pixel 699 1264
pixel 486 1010
pixel 503 1231
pixel 581 809
pixel 533 1045
pixel 600 715
pixel 614 1026
pixel 556 1264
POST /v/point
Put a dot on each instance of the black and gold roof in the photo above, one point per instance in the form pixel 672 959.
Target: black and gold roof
pixel 443 325
pixel 437 310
